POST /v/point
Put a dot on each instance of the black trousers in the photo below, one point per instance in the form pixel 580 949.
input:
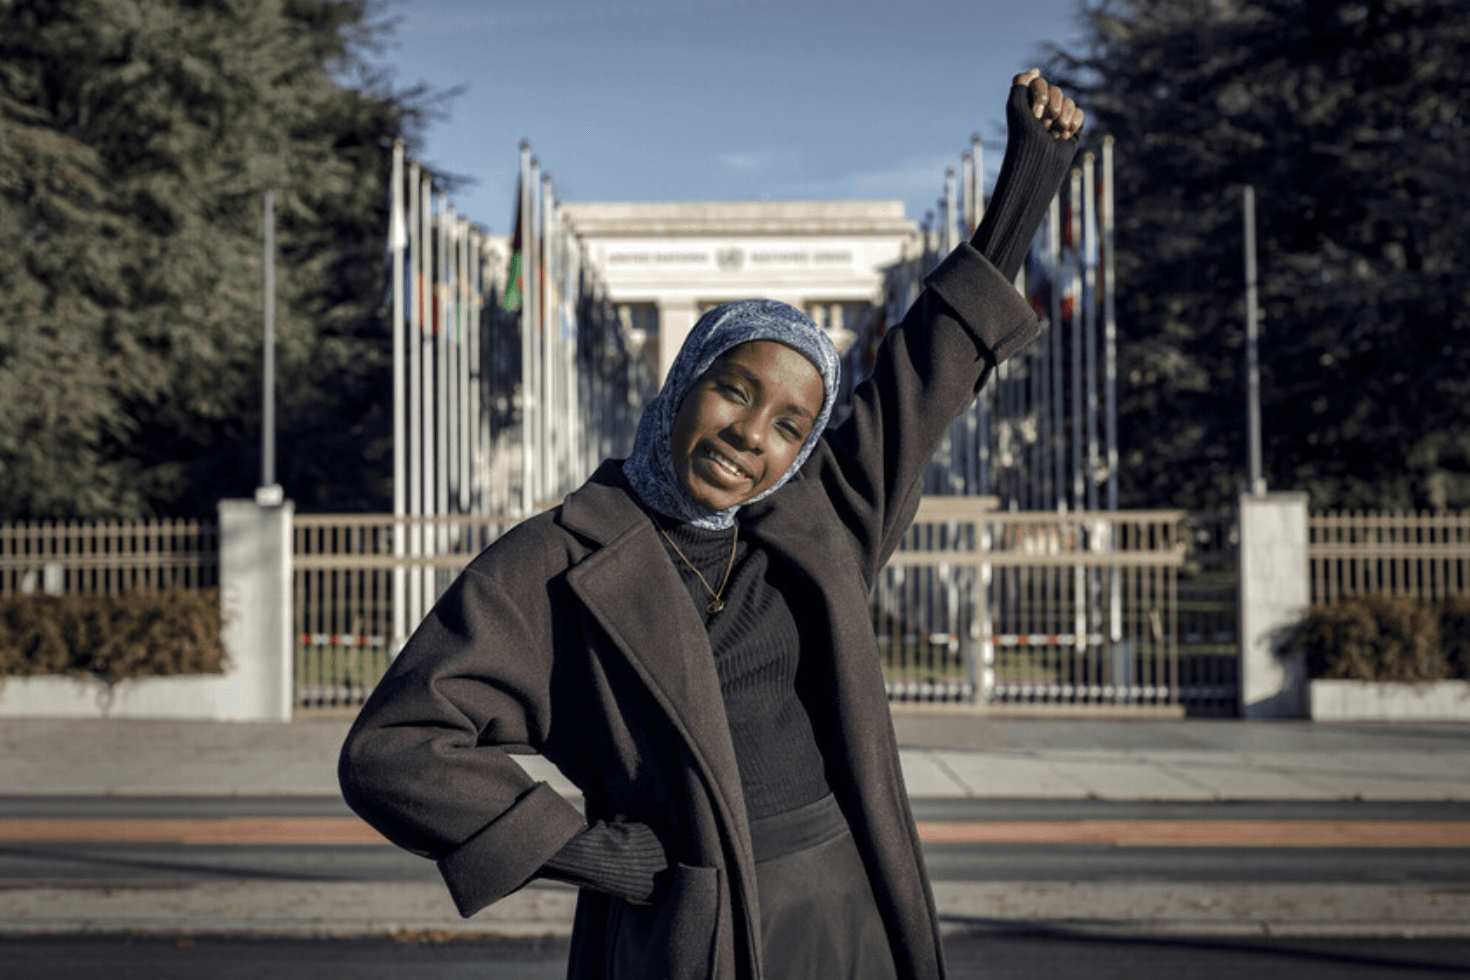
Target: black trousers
pixel 819 920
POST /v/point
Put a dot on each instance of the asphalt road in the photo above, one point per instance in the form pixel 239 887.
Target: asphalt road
pixel 1006 956
pixel 179 859
pixel 43 844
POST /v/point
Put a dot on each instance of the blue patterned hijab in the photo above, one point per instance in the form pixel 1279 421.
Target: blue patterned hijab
pixel 650 467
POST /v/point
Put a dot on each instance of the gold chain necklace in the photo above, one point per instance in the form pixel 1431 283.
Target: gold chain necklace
pixel 716 602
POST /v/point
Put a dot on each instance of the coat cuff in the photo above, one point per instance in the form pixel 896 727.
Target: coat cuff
pixel 509 851
pixel 997 316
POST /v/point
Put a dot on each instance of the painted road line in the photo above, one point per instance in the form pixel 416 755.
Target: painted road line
pixel 230 830
pixel 1122 833
pixel 1208 833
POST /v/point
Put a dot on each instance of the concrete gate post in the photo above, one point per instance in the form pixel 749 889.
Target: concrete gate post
pixel 1275 592
pixel 255 593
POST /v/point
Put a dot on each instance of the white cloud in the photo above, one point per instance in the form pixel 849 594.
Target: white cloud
pixel 912 179
pixel 752 160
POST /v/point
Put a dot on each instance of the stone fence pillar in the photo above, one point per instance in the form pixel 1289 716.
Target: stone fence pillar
pixel 255 596
pixel 1275 592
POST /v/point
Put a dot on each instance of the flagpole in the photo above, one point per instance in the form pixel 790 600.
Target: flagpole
pixel 462 356
pixel 269 493
pixel 1110 320
pixel 1044 400
pixel 1089 298
pixel 478 457
pixel 441 375
pixel 426 364
pixel 550 340
pixel 1252 351
pixel 1054 346
pixel 535 296
pixel 452 394
pixel 400 397
pixel 1074 227
pixel 425 344
pixel 1122 667
pixel 551 425
pixel 415 395
pixel 528 333
pixel 986 396
pixel 537 293
pixel 950 201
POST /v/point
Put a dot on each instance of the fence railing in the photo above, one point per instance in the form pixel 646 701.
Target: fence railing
pixel 348 581
pixel 108 557
pixel 1034 608
pixel 1133 608
pixel 1209 614
pixel 1426 556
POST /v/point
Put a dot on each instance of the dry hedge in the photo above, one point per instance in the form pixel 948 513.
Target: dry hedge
pixel 1387 638
pixel 112 637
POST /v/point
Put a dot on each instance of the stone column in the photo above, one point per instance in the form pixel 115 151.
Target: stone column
pixel 1274 594
pixel 255 595
pixel 676 318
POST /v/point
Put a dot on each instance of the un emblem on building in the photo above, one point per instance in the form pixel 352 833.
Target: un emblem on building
pixel 730 259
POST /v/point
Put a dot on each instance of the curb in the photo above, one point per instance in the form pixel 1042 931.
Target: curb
pixel 359 909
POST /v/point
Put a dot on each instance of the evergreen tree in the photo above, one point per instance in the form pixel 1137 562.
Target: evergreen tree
pixel 137 139
pixel 1350 119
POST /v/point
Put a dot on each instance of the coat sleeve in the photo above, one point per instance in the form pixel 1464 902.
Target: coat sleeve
pixel 428 762
pixel 967 320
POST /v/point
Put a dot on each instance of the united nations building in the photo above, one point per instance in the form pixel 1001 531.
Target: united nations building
pixel 666 263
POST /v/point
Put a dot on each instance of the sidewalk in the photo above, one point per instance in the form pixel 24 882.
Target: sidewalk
pixel 947 756
pixel 944 754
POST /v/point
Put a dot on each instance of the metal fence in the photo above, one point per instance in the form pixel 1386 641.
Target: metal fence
pixel 347 581
pixel 108 557
pixel 1093 610
pixel 1426 556
pixel 1209 615
pixel 1030 609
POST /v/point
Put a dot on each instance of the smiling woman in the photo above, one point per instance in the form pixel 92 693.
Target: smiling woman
pixel 740 430
pixel 687 638
pixel 751 389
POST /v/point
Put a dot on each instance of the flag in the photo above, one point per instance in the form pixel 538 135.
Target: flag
pixel 1041 272
pixel 397 240
pixel 1073 252
pixel 514 281
pixel 1091 258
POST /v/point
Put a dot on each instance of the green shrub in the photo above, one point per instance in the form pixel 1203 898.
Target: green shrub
pixel 1378 638
pixel 112 637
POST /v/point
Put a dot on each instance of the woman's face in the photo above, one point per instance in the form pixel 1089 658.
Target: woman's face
pixel 743 423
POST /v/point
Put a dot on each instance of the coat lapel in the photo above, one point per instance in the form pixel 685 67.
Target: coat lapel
pixel 659 630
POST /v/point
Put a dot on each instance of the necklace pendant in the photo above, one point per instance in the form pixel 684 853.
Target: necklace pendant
pixel 715 606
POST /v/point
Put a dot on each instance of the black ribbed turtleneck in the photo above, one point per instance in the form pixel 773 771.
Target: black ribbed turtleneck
pixel 757 649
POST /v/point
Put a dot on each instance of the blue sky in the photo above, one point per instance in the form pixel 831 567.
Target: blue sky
pixel 717 99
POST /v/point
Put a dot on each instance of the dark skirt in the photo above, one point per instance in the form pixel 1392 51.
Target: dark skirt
pixel 819 920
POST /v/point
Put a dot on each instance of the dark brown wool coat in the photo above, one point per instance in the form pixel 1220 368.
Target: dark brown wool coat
pixel 573 636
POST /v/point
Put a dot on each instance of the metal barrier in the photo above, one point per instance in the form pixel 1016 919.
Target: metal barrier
pixel 977 606
pixel 350 573
pixel 1426 556
pixel 1092 610
pixel 1029 609
pixel 1209 615
pixel 109 556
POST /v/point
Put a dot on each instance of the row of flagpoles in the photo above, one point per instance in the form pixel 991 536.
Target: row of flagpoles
pixel 512 375
pixel 1043 435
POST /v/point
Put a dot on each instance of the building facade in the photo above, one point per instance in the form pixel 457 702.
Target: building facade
pixel 666 263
